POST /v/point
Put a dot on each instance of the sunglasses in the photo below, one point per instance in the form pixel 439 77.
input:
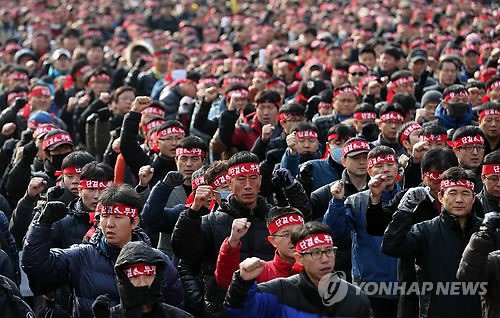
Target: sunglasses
pixel 357 74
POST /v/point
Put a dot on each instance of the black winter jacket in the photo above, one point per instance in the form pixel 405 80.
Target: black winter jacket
pixel 72 228
pixel 437 246
pixel 488 202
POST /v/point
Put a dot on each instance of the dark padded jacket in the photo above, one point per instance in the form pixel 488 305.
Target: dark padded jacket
pixel 294 296
pixel 87 267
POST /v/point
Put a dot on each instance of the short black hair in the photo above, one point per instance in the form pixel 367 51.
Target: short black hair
pixel 456 174
pixel 381 150
pixel 467 131
pixel 123 194
pixel 170 123
pixel 77 159
pixel 97 171
pixel 455 88
pixel 447 59
pixel 403 128
pixel 343 131
pixel 267 96
pixel 490 105
pixel 308 229
pixel 433 130
pixel 475 83
pixel 292 108
pixel 191 142
pixel 242 157
pixel 406 101
pixel 304 126
pixel 120 90
pixel 278 211
pixel 364 108
pixel 493 158
pixel 439 159
pixel 393 51
pixel 399 74
pixel 492 80
pixel 215 169
pixel 386 108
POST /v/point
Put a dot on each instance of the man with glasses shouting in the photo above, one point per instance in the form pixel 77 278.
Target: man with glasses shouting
pixel 468 146
pixel 297 295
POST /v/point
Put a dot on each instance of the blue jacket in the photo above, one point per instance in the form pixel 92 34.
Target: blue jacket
pixel 87 267
pixel 368 262
pixel 324 171
pixel 294 296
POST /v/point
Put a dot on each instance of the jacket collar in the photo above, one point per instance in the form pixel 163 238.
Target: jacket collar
pixel 310 292
pixel 282 266
pixel 452 221
pixel 238 210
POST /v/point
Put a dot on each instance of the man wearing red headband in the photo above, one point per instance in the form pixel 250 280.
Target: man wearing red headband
pixel 207 231
pixel 455 109
pixel 489 123
pixel 302 145
pixel 349 216
pixel 468 145
pixel 297 295
pixel 147 79
pixel 39 98
pixel 490 176
pixel 172 94
pixel 390 121
pixel 493 89
pixel 89 267
pixel 453 229
pixel 281 223
pixel 345 99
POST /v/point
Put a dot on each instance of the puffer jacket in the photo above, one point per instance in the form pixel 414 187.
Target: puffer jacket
pixel 437 246
pixel 295 296
pixel 481 263
pixel 8 245
pixel 488 202
pixel 316 173
pixel 87 267
pixel 11 302
pixel 72 228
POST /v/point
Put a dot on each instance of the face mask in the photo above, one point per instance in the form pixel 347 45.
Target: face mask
pixel 336 154
pixel 458 110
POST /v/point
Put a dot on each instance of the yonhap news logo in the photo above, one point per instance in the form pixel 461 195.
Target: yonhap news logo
pixel 333 288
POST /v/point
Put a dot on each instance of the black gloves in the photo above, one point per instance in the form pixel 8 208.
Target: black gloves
pixel 104 114
pixel 312 106
pixel 30 150
pixel 173 179
pixel 491 222
pixel 53 211
pixel 54 193
pixel 274 156
pixel 18 103
pixel 283 178
pixel 101 306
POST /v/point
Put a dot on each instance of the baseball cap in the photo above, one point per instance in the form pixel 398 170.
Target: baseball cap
pixel 355 146
pixel 417 55
pixel 60 52
pixel 56 138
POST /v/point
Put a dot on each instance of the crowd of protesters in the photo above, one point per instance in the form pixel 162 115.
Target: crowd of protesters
pixel 211 159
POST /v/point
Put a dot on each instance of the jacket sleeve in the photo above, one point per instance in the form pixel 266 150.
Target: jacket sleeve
pixel 243 300
pixel 227 124
pixel 338 218
pixel 201 121
pixel 400 239
pixel 21 218
pixel 194 289
pixel 44 264
pixel 297 198
pixel 172 290
pixel 320 199
pixel 129 147
pixel 19 177
pixel 155 215
pixel 259 148
pixel 171 102
pixel 11 248
pixel 228 262
pixel 476 264
pixel 291 162
pixel 187 238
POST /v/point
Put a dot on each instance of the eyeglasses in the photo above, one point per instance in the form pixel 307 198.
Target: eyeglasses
pixel 471 148
pixel 287 236
pixel 329 252
pixel 357 74
pixel 494 179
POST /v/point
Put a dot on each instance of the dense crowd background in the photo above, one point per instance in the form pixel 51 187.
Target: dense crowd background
pixel 207 124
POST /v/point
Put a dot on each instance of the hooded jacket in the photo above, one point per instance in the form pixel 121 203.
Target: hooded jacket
pixel 132 298
pixel 448 122
pixel 87 267
pixel 13 306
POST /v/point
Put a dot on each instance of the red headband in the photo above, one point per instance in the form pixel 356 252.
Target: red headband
pixel 219 180
pixel 103 77
pixel 347 89
pixel 243 169
pixel 433 175
pixel 18 76
pixel 117 209
pixel 189 152
pixel 339 72
pixel 447 183
pixel 95 184
pixel 152 125
pixel 68 171
pixel 83 70
pixel 313 241
pixel 306 134
pixel 433 138
pixel 196 182
pixel 468 140
pixel 450 95
pixel 12 96
pixel 380 159
pixel 355 146
pixel 491 169
pixel 489 112
pixel 172 130
pixel 242 92
pixel 392 116
pixel 283 116
pixel 365 116
pixel 355 67
pixel 140 270
pixel 408 130
pixel 40 91
pixel 275 83
pixel 209 81
pixel 495 84
pixel 154 111
pixel 55 139
pixel 403 80
pixel 233 80
pixel 333 137
pixel 43 129
pixel 285 220
pixel 261 74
